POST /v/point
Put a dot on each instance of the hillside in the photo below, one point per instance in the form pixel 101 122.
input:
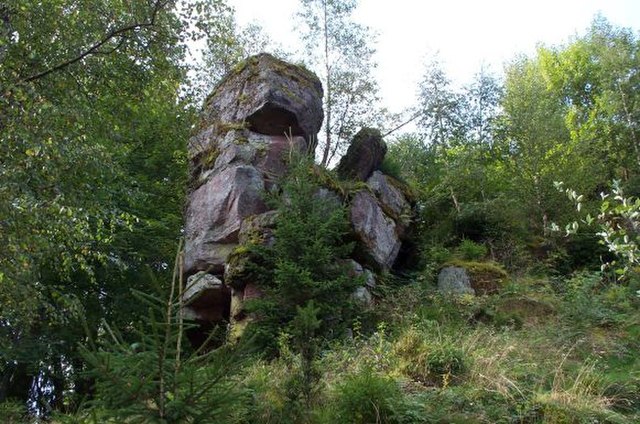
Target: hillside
pixel 199 227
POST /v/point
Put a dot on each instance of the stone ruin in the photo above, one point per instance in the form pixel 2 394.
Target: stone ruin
pixel 252 123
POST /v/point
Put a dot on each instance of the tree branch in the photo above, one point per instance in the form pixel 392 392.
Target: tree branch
pixel 95 48
pixel 413 118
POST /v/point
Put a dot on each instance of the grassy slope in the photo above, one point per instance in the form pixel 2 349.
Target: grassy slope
pixel 528 354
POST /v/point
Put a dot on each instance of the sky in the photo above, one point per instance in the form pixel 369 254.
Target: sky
pixel 465 34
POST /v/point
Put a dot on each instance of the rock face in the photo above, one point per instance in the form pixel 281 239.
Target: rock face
pixel 271 96
pixel 259 117
pixel 377 235
pixel 455 280
pixel 364 155
pixel 205 298
pixel 394 202
pixel 215 212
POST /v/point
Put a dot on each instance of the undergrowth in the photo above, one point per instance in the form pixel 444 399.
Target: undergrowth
pixel 529 354
pixel 526 355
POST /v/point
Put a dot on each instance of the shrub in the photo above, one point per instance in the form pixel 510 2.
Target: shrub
pixel 438 254
pixel 367 397
pixel 156 376
pixel 471 251
pixel 391 167
pixel 12 412
pixel 429 360
pixel 583 304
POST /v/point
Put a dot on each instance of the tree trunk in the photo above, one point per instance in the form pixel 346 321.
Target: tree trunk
pixel 327 65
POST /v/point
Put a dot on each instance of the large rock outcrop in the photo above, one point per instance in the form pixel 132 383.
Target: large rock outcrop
pixel 259 117
pixel 256 118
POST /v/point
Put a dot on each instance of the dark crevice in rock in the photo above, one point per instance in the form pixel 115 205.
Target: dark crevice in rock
pixel 274 120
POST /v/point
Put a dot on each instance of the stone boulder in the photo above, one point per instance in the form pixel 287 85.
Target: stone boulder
pixel 364 155
pixel 354 269
pixel 455 280
pixel 363 296
pixel 206 298
pixel 486 277
pixel 378 240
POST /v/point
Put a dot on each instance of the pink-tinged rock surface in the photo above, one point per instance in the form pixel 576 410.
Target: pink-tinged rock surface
pixel 271 97
pixel 376 232
pixel 214 215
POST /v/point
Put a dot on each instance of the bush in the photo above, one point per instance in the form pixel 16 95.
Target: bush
pixel 158 377
pixel 429 360
pixel 471 251
pixel 584 304
pixel 366 397
pixel 12 412
pixel 391 167
pixel 438 254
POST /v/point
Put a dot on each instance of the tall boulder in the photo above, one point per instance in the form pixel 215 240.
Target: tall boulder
pixel 379 242
pixel 392 199
pixel 364 155
pixel 255 119
pixel 260 115
pixel 268 96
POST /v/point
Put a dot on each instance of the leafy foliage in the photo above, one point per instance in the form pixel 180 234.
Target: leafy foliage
pixel 367 397
pixel 92 178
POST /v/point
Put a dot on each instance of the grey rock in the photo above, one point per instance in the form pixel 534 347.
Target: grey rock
pixel 205 298
pixel 390 196
pixel 376 232
pixel 455 280
pixel 369 279
pixel 354 269
pixel 363 296
pixel 199 286
pixel 364 155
